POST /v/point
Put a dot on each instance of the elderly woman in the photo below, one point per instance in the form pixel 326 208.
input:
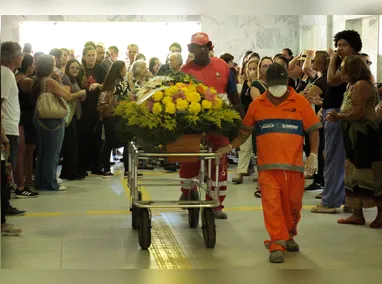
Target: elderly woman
pixel 363 179
pixel 175 61
pixel 138 75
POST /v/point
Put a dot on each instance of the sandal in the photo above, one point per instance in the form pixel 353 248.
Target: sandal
pixel 323 209
pixel 238 179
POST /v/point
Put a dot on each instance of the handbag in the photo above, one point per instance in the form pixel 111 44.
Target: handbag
pixel 106 104
pixel 51 106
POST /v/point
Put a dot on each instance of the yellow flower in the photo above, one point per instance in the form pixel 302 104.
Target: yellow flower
pixel 195 108
pixel 170 108
pixel 193 97
pixel 180 85
pixel 157 108
pixel 206 104
pixel 171 91
pixel 167 100
pixel 191 88
pixel 158 95
pixel 181 104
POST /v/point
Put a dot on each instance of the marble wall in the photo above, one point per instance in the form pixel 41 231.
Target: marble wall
pixel 235 34
pixel 267 35
pixel 317 32
pixel 314 32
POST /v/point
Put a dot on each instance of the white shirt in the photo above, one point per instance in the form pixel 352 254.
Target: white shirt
pixel 10 108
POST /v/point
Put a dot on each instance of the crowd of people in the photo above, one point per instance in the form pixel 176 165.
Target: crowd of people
pixel 324 103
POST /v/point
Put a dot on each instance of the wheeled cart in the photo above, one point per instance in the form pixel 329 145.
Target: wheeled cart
pixel 141 209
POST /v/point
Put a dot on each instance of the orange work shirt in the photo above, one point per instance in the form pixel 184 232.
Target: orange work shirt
pixel 280 130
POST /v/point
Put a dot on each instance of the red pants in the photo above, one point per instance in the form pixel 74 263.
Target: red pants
pixel 281 195
pixel 190 171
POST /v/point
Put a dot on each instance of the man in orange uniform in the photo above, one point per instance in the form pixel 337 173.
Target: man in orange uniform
pixel 212 72
pixel 280 117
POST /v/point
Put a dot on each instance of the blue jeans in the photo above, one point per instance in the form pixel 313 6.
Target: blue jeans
pixel 50 134
pixel 333 195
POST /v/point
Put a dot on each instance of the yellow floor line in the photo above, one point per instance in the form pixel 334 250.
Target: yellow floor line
pixel 45 214
pixel 164 247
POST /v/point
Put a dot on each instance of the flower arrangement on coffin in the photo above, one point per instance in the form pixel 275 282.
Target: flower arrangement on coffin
pixel 174 106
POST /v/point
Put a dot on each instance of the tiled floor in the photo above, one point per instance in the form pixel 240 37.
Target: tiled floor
pixel 89 227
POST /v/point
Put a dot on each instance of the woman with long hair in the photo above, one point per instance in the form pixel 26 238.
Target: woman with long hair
pixel 28 135
pixel 246 149
pixel 361 134
pixel 114 88
pixel 315 92
pixel 73 81
pixel 154 65
pixel 89 126
pixel 50 132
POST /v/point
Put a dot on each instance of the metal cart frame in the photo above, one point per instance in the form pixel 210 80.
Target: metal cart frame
pixel 140 210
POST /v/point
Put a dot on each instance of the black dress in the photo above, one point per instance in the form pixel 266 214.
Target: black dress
pixel 90 126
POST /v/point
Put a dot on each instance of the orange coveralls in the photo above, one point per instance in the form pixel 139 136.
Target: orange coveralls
pixel 280 138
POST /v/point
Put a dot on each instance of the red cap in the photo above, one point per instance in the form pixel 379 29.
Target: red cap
pixel 200 39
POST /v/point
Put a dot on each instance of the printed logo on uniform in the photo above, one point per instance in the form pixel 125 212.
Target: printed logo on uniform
pixel 281 126
pixel 267 125
pixel 290 126
pixel 218 75
pixel 290 109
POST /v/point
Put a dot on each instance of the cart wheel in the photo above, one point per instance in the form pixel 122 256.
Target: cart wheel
pixel 208 227
pixel 193 217
pixel 135 211
pixel 144 231
pixel 193 213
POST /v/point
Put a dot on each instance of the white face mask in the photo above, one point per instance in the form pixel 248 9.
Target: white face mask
pixel 278 91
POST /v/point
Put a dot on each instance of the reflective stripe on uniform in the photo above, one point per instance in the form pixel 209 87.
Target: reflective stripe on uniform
pixel 286 167
pixel 279 126
pixel 280 242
